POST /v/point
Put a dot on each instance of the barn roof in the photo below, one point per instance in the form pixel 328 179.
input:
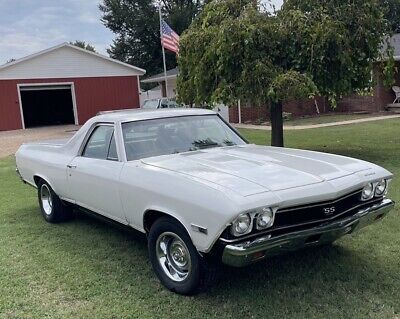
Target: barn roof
pixel 66 60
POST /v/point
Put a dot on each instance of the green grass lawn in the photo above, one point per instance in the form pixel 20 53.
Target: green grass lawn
pixel 90 269
pixel 326 118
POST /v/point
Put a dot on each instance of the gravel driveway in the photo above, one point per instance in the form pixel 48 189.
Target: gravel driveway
pixel 11 140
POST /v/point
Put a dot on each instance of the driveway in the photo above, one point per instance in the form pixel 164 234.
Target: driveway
pixel 305 127
pixel 10 141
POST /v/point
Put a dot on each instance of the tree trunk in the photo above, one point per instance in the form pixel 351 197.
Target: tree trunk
pixel 276 124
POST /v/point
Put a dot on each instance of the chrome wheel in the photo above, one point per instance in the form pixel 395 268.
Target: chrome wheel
pixel 173 256
pixel 45 197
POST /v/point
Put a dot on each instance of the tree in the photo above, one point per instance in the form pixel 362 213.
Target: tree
pixel 389 8
pixel 84 45
pixel 136 24
pixel 336 42
pixel 233 51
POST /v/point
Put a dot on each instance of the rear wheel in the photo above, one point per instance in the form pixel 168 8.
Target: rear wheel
pixel 176 261
pixel 51 206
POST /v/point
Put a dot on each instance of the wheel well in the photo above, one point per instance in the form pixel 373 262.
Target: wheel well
pixel 37 179
pixel 151 216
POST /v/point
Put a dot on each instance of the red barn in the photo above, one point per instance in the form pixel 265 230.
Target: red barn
pixel 64 85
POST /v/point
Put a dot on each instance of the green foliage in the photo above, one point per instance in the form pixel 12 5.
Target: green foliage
pixel 233 51
pixel 137 29
pixel 389 69
pixel 292 85
pixel 391 10
pixel 84 45
pixel 334 41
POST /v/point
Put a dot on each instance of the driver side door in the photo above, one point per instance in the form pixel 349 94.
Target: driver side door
pixel 93 176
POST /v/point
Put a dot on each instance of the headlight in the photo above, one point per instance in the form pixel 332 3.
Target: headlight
pixel 241 225
pixel 265 218
pixel 367 192
pixel 380 188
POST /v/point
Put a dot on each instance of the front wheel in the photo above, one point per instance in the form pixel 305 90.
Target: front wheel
pixel 176 261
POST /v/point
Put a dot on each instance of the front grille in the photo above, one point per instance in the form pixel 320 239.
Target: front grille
pixel 321 211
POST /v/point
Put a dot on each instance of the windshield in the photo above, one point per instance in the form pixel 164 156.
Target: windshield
pixel 150 104
pixel 175 135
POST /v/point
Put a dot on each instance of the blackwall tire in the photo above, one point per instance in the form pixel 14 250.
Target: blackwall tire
pixel 176 261
pixel 51 206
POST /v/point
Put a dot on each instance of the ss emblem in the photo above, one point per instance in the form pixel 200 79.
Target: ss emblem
pixel 329 210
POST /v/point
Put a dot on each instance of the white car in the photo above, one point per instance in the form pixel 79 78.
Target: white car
pixel 200 192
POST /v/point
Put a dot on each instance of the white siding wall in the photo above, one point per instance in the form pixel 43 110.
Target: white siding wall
pixel 150 94
pixel 65 62
pixel 171 83
pixel 156 92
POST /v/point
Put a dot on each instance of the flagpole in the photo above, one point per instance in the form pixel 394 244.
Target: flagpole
pixel 163 53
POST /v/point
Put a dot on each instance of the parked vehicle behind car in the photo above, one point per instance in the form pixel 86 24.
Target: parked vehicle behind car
pixel 200 192
pixel 163 103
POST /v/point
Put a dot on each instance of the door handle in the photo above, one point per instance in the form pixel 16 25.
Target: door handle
pixel 71 166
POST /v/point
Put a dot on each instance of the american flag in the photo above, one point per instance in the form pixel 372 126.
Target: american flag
pixel 169 38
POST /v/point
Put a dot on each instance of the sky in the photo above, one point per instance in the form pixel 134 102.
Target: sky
pixel 29 26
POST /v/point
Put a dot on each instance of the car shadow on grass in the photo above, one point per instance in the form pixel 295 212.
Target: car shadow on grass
pixel 326 277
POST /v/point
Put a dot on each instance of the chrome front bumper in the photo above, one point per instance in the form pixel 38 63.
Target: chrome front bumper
pixel 245 253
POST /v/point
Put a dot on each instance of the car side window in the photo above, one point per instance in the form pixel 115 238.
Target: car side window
pixel 99 142
pixel 112 150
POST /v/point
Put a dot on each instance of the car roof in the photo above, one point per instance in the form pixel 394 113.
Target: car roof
pixel 147 114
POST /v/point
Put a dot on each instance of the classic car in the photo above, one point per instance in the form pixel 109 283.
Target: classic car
pixel 200 192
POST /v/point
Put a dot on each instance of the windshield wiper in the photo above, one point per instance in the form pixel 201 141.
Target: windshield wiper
pixel 229 143
pixel 205 143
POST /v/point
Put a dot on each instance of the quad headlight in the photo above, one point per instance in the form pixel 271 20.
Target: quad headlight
pixel 241 225
pixel 261 218
pixel 380 188
pixel 376 189
pixel 265 218
pixel 367 192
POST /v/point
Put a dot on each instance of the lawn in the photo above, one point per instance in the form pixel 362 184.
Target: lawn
pixel 90 269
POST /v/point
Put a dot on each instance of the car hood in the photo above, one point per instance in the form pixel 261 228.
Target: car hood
pixel 252 169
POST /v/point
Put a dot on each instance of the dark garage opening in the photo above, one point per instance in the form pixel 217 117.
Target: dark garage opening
pixel 47 106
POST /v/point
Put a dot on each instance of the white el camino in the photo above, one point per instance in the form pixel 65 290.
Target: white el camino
pixel 200 192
